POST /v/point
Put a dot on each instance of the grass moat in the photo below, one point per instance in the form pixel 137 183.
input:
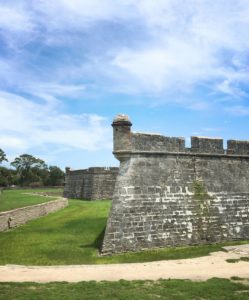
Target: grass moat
pixel 74 236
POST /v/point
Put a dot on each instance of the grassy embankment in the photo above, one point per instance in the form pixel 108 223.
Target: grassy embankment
pixel 73 236
pixel 10 199
pixel 212 289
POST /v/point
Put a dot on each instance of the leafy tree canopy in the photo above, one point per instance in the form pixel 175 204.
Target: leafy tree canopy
pixel 56 176
pixel 2 156
pixel 30 169
pixel 27 162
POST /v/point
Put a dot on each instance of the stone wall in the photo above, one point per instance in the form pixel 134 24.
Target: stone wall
pixel 16 217
pixel 170 195
pixel 90 184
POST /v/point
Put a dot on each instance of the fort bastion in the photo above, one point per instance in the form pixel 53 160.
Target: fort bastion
pixel 167 194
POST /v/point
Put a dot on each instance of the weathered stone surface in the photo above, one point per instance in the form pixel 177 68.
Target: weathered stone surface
pixel 206 145
pixel 16 217
pixel 153 142
pixel 238 147
pixel 169 195
pixel 90 184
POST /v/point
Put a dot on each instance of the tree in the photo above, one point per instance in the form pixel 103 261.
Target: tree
pixel 2 156
pixel 30 169
pixel 56 176
pixel 6 176
pixel 27 162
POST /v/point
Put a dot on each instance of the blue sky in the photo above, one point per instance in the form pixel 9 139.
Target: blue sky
pixel 176 67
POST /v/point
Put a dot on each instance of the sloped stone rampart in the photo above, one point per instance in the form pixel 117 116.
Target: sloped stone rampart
pixel 16 217
pixel 169 195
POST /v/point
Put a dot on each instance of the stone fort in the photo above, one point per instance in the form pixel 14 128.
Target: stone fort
pixel 90 184
pixel 169 195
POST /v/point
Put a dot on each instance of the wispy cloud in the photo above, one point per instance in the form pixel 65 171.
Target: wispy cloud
pixel 15 19
pixel 25 125
pixel 238 110
pixel 185 43
pixel 194 43
pixel 159 51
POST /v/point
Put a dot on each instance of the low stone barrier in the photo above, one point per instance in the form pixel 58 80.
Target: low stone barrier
pixel 16 217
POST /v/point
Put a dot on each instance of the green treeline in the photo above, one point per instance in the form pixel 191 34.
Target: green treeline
pixel 27 170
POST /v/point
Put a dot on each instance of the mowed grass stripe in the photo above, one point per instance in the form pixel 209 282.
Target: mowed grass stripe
pixel 212 289
pixel 11 199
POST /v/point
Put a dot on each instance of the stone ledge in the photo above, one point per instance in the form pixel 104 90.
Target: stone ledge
pixel 16 217
pixel 179 154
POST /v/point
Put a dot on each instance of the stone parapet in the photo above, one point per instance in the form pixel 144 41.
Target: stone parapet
pixel 206 145
pixel 126 142
pixel 238 147
pixel 152 142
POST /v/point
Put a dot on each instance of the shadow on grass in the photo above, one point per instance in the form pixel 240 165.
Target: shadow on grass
pixel 97 243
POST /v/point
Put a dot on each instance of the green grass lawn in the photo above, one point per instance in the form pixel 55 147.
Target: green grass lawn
pixel 212 289
pixel 73 236
pixel 10 199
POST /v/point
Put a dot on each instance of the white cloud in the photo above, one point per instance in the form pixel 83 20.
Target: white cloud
pixel 56 89
pixel 194 42
pixel 15 19
pixel 12 142
pixel 25 125
pixel 175 64
pixel 50 92
pixel 167 47
pixel 160 51
pixel 238 110
pixel 75 13
pixel 229 87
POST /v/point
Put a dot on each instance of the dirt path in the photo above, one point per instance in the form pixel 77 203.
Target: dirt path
pixel 202 268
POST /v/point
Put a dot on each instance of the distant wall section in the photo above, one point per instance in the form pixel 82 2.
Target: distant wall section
pixel 90 184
